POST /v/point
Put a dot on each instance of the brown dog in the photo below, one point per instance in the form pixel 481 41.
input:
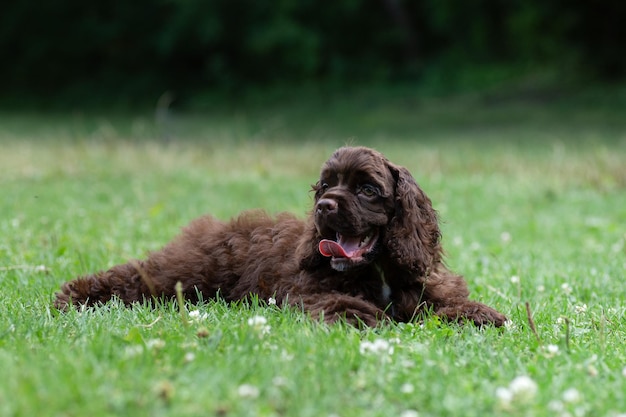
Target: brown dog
pixel 370 251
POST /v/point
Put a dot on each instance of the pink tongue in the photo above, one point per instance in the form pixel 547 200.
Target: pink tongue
pixel 330 248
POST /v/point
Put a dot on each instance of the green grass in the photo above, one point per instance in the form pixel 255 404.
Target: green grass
pixel 532 198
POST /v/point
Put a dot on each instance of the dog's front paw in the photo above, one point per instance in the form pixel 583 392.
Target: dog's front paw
pixel 478 313
pixel 484 315
pixel 358 319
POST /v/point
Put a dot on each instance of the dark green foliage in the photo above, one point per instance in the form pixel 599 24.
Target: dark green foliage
pixel 121 48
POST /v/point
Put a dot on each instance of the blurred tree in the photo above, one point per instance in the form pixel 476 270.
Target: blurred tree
pixel 116 47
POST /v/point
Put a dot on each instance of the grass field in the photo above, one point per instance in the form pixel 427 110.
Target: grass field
pixel 532 197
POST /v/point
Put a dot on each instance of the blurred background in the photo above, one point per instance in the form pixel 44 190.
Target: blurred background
pixel 80 54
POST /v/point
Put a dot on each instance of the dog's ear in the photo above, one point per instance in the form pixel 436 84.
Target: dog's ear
pixel 413 235
pixel 307 252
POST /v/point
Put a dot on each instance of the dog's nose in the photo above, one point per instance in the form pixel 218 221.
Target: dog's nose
pixel 326 205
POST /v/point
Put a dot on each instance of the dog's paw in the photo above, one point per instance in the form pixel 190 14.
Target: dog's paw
pixel 471 311
pixel 487 316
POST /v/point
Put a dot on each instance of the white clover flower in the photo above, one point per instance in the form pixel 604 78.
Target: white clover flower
pixel 509 325
pixel 190 356
pixel 556 406
pixel 155 343
pixel 197 315
pixel 271 301
pixel 286 356
pixel 132 351
pixel 580 309
pixel 378 346
pixel 407 388
pixel 259 323
pixel 552 350
pixel 407 363
pixel 515 279
pixel 409 413
pixel 248 391
pixel 541 288
pixel 280 381
pixel 505 237
pixel 41 268
pixel 624 372
pixel 504 395
pixel 523 387
pixel 566 288
pixel 571 395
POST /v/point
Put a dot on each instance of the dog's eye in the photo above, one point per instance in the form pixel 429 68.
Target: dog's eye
pixel 320 188
pixel 369 190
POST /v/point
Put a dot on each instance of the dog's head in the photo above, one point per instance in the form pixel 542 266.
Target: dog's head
pixel 368 209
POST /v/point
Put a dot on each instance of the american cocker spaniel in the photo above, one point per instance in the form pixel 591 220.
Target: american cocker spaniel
pixel 369 252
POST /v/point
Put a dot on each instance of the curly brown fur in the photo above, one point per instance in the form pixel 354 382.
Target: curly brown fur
pixel 380 256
